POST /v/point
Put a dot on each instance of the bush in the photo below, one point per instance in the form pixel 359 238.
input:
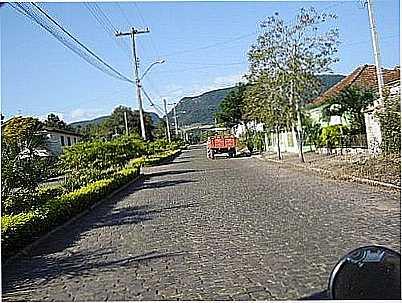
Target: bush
pixel 22 168
pixel 101 155
pixel 331 135
pixel 24 201
pixel 390 123
pixel 21 229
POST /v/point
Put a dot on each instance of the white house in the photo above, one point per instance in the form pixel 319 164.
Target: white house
pixel 58 139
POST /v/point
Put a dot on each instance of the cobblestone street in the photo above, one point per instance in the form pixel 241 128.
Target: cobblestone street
pixel 199 229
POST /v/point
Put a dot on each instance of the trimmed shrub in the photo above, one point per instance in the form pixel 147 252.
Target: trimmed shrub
pixel 331 135
pixel 24 228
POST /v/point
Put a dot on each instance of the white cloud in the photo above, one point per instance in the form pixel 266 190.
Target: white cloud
pixel 176 92
pixel 85 114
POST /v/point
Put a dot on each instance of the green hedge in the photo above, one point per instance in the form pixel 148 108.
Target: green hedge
pixel 22 229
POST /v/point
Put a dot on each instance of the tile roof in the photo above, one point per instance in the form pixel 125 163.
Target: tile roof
pixel 363 76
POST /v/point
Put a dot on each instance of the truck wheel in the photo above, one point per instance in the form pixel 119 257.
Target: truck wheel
pixel 232 153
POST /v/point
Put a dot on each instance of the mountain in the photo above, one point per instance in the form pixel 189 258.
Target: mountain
pixel 84 123
pixel 155 120
pixel 200 109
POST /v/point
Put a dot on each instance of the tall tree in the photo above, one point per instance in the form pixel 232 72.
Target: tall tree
pixel 53 120
pixel 267 102
pixel 299 51
pixel 22 167
pixel 115 124
pixel 231 109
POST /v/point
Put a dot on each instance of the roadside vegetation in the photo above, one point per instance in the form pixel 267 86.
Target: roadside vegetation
pixel 91 170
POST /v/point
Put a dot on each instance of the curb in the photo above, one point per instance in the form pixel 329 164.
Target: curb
pixel 342 177
pixel 27 249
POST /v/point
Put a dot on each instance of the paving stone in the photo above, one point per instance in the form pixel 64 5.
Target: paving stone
pixel 199 229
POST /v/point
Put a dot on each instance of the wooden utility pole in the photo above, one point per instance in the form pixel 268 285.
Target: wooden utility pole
pixel 167 120
pixel 136 73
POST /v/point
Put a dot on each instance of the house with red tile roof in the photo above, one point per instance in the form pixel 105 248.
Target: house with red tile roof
pixel 364 76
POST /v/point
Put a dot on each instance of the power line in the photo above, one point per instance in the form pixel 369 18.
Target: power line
pixel 157 108
pixel 109 32
pixel 154 48
pixel 211 45
pixel 54 28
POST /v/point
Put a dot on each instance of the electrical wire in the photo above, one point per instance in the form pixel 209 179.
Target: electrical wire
pixel 109 31
pixel 211 45
pixel 43 19
pixel 157 108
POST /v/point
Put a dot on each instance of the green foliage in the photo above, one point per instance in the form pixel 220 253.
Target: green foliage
pixel 100 155
pixel 350 102
pixel 22 167
pixel 331 135
pixel 258 141
pixel 23 228
pixel 19 230
pixel 55 122
pixel 311 131
pixel 284 63
pixel 114 125
pixel 232 108
pixel 390 123
pixel 18 203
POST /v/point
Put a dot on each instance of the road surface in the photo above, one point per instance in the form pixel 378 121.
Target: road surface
pixel 198 229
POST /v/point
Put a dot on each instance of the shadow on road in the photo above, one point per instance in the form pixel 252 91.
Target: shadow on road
pixel 161 184
pixel 175 162
pixel 171 172
pixel 78 264
pixel 44 261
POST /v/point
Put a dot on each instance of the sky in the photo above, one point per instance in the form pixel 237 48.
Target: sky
pixel 204 44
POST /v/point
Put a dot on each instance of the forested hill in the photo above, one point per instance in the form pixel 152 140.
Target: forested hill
pixel 200 109
pixel 155 119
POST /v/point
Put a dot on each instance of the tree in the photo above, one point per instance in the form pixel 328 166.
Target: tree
pixel 299 51
pixel 231 109
pixel 114 125
pixel 22 167
pixel 350 102
pixel 390 124
pixel 54 121
pixel 160 130
pixel 267 103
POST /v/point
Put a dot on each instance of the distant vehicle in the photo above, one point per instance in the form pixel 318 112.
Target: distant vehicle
pixel 221 144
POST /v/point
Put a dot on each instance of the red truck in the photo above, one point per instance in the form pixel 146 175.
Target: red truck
pixel 220 145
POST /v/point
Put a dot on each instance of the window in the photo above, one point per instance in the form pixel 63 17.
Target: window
pixel 62 140
pixel 75 140
pixel 68 141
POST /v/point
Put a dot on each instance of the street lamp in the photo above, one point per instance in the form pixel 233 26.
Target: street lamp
pixel 149 67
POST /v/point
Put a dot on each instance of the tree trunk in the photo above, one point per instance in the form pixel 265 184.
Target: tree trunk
pixel 278 143
pixel 299 133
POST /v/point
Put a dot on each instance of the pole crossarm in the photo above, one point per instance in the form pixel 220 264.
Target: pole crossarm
pixel 132 33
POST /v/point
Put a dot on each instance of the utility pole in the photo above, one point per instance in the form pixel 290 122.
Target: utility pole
pixel 125 122
pixel 176 125
pixel 376 49
pixel 167 120
pixel 136 73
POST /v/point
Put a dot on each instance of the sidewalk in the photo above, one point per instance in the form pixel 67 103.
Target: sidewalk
pixel 377 170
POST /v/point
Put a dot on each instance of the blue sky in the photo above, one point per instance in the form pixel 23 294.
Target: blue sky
pixel 204 44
